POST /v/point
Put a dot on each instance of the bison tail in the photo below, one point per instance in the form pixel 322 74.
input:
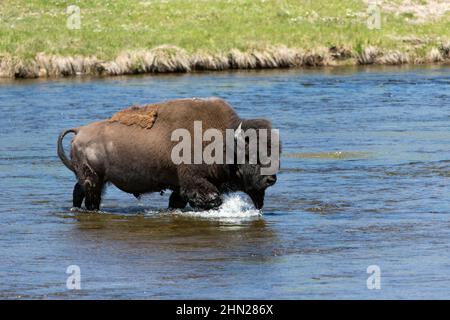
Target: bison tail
pixel 67 162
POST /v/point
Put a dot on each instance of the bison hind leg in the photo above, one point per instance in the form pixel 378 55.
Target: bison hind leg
pixel 176 201
pixel 93 195
pixel 78 195
pixel 92 184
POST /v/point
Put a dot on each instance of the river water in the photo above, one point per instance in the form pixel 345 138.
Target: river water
pixel 365 181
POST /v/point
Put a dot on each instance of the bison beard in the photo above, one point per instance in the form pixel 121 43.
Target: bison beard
pixel 257 198
pixel 132 150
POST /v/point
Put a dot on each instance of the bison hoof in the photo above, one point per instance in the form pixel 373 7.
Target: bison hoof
pixel 206 202
pixel 176 201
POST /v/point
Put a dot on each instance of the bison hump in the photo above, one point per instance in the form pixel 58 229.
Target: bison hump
pixel 143 117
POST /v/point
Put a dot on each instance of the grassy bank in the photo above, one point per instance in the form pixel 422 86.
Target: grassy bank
pixel 123 36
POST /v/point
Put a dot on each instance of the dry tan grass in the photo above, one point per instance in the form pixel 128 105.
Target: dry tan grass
pixel 241 60
pixel 393 57
pixel 341 52
pixel 285 57
pixel 165 59
pixel 317 58
pixel 445 49
pixel 53 65
pixel 158 60
pixel 368 55
pixel 208 61
pixel 6 67
pixel 374 55
pixel 169 59
pixel 435 55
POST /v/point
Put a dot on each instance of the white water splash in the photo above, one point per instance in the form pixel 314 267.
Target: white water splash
pixel 234 209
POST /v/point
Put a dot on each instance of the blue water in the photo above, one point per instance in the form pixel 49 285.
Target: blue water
pixel 365 181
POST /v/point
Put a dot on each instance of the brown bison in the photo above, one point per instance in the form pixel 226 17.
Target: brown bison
pixel 134 151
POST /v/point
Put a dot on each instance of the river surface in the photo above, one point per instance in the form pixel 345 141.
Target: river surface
pixel 365 181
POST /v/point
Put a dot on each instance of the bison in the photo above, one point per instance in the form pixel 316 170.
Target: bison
pixel 133 150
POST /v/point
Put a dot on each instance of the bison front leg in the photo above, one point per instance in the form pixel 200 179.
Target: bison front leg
pixel 176 201
pixel 201 194
pixel 78 195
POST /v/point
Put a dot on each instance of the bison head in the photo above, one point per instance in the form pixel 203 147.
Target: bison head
pixel 257 155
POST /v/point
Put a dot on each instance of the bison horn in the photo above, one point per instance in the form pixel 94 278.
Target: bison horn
pixel 239 134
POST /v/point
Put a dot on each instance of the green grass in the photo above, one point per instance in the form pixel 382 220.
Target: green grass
pixel 28 27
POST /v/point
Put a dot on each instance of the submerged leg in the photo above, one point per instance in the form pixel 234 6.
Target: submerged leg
pixel 201 194
pixel 93 186
pixel 93 196
pixel 176 201
pixel 78 195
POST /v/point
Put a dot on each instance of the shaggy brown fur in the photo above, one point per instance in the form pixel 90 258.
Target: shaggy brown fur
pixel 141 116
pixel 139 161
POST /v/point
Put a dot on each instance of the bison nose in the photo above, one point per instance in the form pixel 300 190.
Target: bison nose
pixel 270 180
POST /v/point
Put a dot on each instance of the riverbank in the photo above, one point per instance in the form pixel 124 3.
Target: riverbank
pixel 47 38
